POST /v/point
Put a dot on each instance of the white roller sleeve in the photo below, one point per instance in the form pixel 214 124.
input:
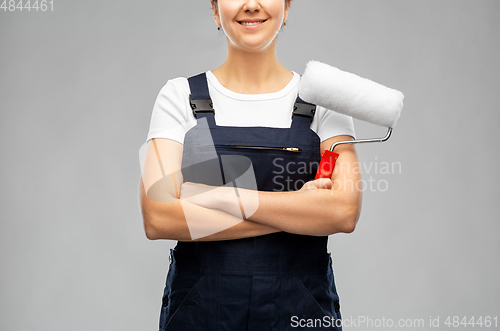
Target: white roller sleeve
pixel 349 94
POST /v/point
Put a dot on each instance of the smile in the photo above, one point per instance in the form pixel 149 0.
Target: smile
pixel 251 23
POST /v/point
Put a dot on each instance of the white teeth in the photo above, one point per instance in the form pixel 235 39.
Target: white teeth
pixel 251 23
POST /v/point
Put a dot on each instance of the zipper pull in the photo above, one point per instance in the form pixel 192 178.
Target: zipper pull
pixel 292 149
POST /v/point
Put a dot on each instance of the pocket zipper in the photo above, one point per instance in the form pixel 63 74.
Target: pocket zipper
pixel 289 149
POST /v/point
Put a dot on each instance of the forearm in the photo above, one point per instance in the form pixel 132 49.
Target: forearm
pixel 195 223
pixel 312 210
pixel 316 212
pixel 184 221
pixel 244 229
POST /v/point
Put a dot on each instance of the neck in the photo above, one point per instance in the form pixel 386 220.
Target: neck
pixel 251 72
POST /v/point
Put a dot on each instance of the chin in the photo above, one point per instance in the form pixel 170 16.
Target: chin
pixel 255 46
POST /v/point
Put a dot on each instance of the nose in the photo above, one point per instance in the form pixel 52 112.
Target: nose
pixel 251 5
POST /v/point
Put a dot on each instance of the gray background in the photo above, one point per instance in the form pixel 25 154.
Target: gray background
pixel 77 88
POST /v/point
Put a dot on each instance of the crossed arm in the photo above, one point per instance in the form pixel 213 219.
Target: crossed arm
pixel 321 207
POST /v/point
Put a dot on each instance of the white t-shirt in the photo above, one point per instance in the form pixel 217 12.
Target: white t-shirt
pixel 172 115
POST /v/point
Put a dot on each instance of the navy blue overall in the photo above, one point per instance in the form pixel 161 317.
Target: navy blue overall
pixel 279 281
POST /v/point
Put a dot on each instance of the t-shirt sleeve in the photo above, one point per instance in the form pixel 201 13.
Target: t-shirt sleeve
pixel 330 124
pixel 172 116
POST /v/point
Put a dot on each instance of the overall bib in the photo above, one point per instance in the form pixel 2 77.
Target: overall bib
pixel 277 282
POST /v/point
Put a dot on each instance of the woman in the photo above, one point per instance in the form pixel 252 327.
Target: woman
pixel 252 252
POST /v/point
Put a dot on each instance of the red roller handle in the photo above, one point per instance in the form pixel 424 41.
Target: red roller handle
pixel 327 164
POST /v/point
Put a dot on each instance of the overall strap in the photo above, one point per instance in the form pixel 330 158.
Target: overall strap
pixel 199 99
pixel 303 114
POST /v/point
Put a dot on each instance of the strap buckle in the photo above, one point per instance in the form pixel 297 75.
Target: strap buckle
pixel 201 105
pixel 304 109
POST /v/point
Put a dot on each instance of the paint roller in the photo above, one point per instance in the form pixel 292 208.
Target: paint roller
pixel 351 95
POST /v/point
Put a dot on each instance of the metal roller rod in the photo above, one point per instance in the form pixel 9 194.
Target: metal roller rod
pixel 360 141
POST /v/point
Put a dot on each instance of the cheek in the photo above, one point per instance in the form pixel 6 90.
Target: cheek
pixel 277 11
pixel 228 12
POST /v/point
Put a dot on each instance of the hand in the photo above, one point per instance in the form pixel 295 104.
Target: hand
pixel 320 183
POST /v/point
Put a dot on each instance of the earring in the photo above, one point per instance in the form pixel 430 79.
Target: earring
pixel 284 25
pixel 218 28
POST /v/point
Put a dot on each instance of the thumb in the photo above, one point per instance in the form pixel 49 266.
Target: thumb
pixel 325 183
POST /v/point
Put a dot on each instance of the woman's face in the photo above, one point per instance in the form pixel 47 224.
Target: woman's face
pixel 251 24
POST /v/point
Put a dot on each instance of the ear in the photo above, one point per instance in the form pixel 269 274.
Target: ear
pixel 215 10
pixel 287 8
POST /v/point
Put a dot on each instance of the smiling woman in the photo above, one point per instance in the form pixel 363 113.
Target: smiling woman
pixel 252 239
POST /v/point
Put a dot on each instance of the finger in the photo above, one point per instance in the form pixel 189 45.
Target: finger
pixel 324 183
pixel 309 186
